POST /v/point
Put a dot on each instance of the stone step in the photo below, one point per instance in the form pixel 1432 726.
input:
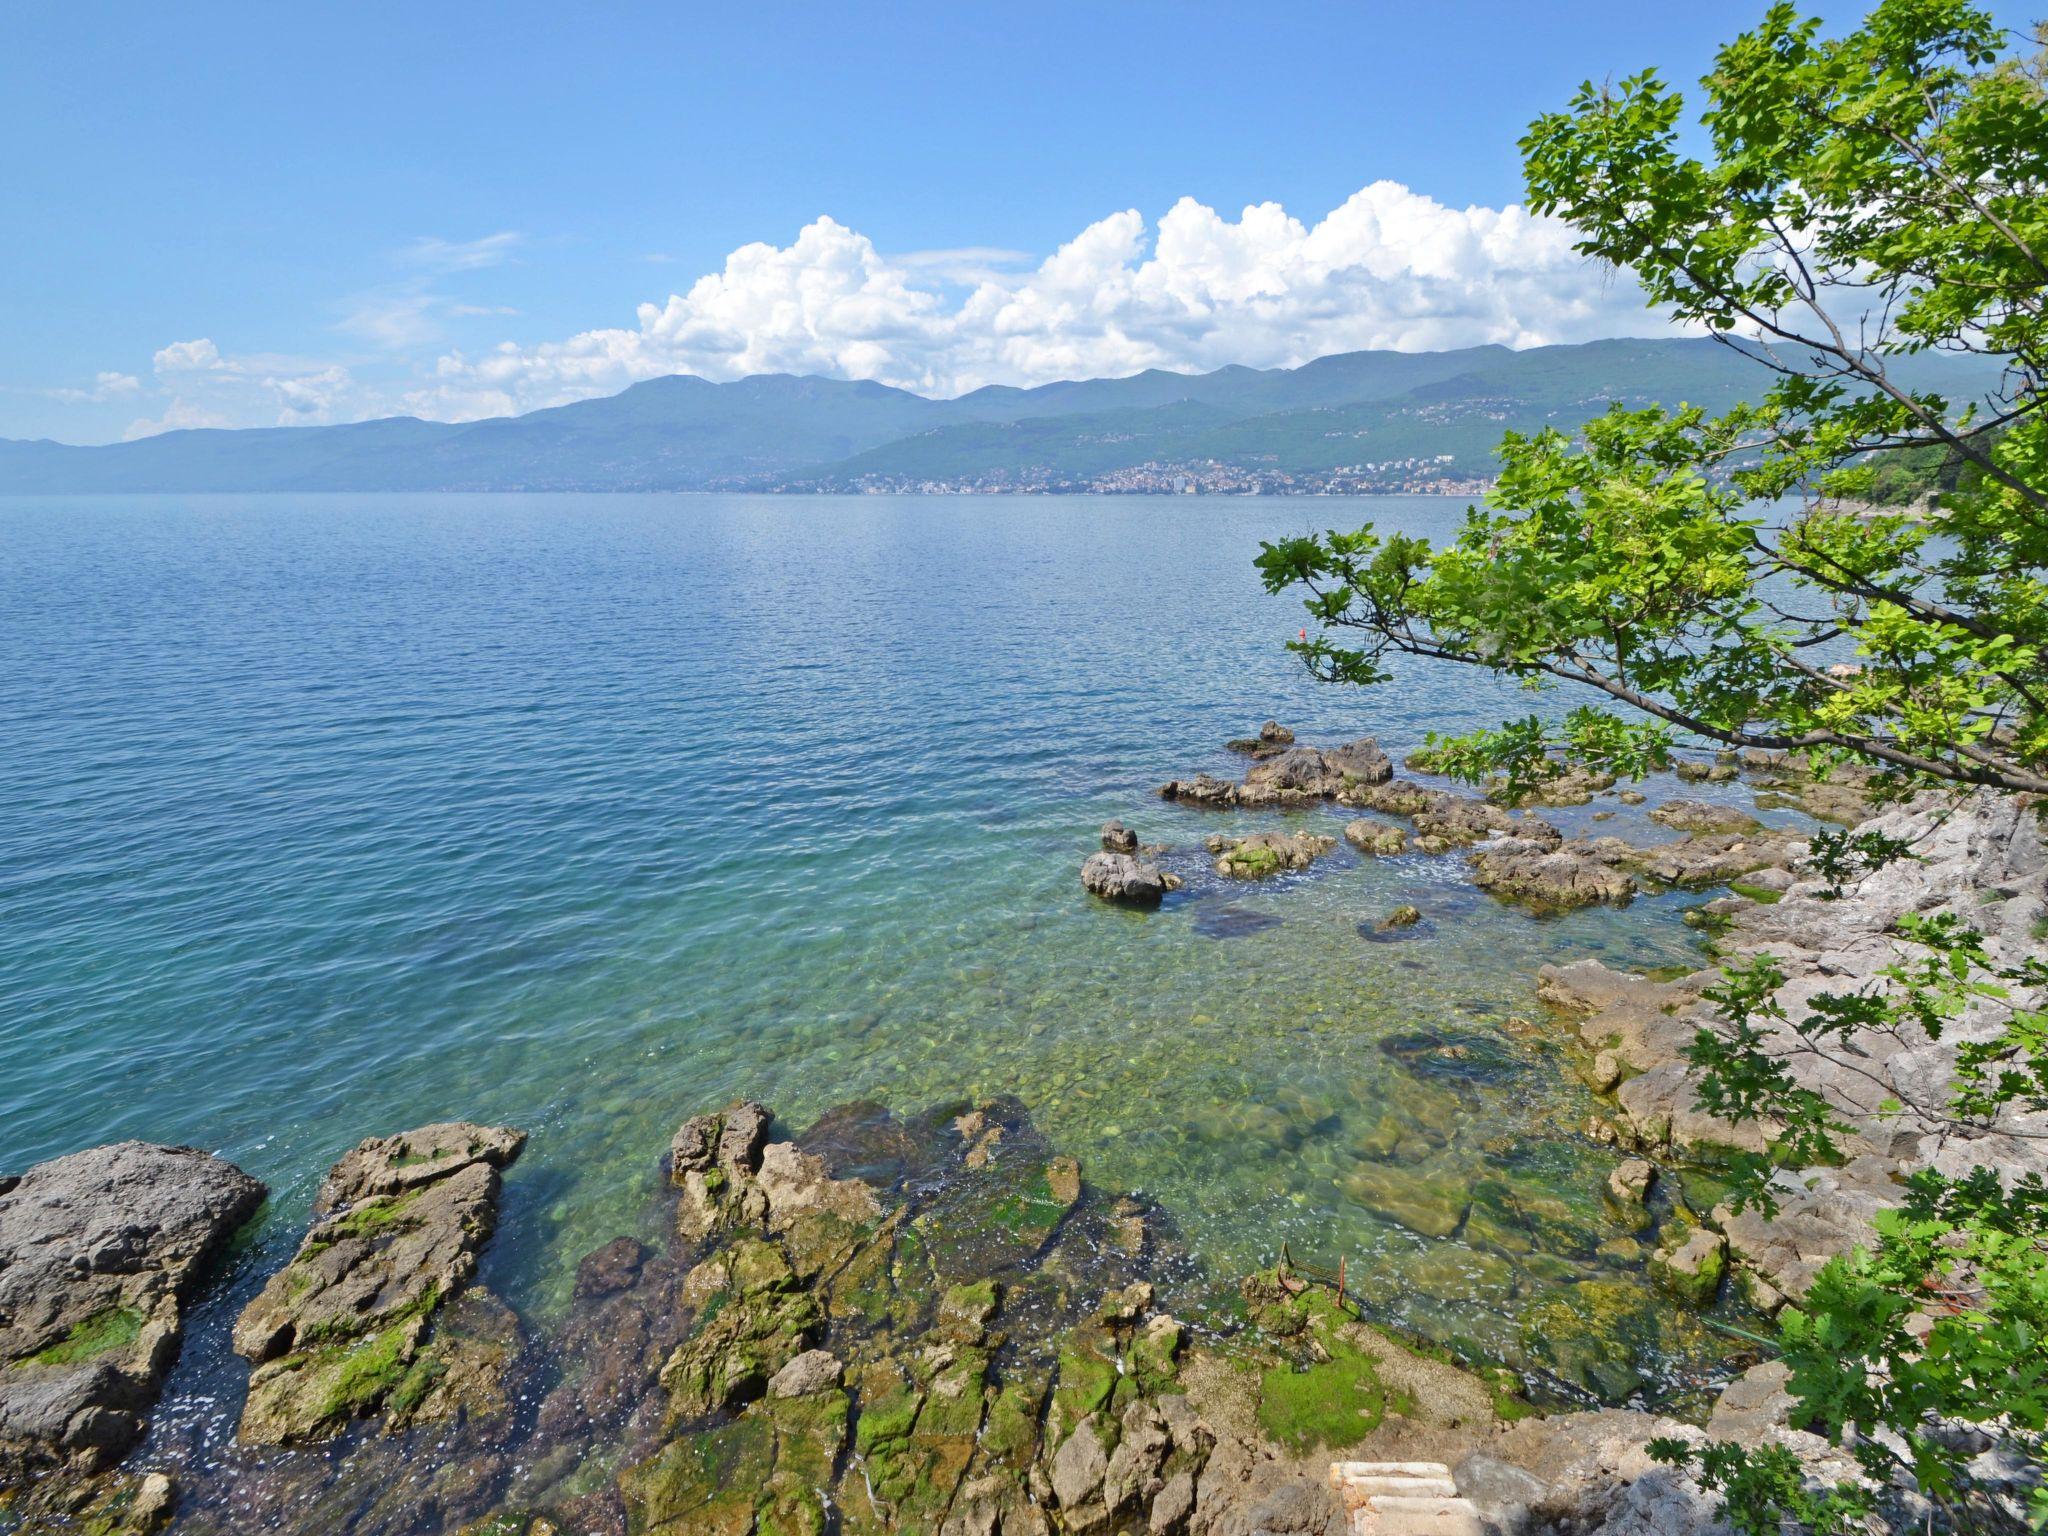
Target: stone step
pixel 1393 1515
pixel 1356 1490
pixel 1340 1470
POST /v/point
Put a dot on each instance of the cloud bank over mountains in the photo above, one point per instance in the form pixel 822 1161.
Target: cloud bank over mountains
pixel 1390 268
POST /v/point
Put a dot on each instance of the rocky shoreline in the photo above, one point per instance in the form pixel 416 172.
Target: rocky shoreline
pixel 935 1322
pixel 881 1324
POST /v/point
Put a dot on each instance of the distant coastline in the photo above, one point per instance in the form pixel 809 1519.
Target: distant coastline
pixel 1360 423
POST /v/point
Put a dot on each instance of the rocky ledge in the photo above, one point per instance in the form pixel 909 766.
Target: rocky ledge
pixel 97 1252
pixel 933 1324
pixel 1983 860
pixel 375 1314
pixel 1539 867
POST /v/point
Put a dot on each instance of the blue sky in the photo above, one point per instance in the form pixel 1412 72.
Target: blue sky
pixel 258 214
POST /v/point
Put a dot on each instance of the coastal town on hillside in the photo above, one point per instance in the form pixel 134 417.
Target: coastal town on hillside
pixel 1433 476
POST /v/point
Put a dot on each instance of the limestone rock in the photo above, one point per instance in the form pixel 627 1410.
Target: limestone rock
pixel 1723 769
pixel 1122 877
pixel 1272 739
pixel 1712 858
pixel 1118 838
pixel 1203 790
pixel 362 1321
pixel 1569 784
pixel 1630 1182
pixel 1375 837
pixel 1300 775
pixel 97 1251
pixel 1549 878
pixel 1757 1401
pixel 1079 1466
pixel 1703 816
pixel 815 1370
pixel 755 1318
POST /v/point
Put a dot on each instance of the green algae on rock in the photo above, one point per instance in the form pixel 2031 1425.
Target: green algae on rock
pixel 1263 854
pixel 375 1314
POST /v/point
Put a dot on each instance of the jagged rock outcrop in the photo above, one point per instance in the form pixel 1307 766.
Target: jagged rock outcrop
pixel 1290 776
pixel 1703 816
pixel 1441 819
pixel 1118 838
pixel 1273 739
pixel 98 1250
pixel 960 1340
pixel 1550 876
pixel 375 1314
pixel 1204 789
pixel 1723 769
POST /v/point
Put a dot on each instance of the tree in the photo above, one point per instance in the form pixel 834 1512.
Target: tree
pixel 1861 199
pixel 1878 195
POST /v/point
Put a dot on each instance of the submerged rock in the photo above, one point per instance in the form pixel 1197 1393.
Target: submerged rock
pixel 1267 853
pixel 375 1314
pixel 98 1250
pixel 1122 877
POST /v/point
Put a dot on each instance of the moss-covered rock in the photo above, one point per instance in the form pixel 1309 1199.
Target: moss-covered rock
pixel 755 1319
pixel 1267 853
pixel 1692 1267
pixel 706 1484
pixel 348 1329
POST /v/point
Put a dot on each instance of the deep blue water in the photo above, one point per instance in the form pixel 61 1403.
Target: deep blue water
pixel 324 816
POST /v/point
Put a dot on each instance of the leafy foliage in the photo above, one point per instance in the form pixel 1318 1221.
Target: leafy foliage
pixel 1867 199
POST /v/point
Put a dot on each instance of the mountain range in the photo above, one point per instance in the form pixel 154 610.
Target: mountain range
pixel 1401 417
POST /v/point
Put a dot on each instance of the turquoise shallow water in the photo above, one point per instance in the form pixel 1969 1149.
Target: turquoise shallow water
pixel 330 815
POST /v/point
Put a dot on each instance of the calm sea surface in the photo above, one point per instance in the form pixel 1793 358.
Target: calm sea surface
pixel 325 816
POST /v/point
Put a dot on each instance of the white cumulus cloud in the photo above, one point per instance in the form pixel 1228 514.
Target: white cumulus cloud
pixel 188 357
pixel 1390 268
